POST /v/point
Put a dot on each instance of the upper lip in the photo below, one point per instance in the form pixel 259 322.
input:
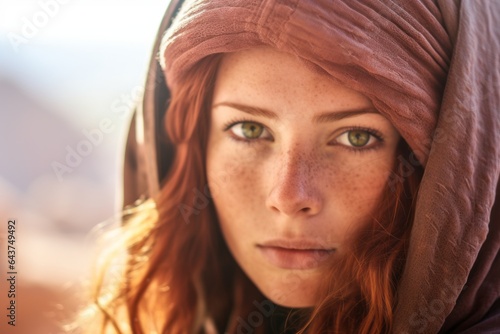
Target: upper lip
pixel 296 244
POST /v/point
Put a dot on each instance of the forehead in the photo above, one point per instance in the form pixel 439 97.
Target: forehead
pixel 268 75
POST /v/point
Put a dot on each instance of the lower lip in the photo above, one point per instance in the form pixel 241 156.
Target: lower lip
pixel 286 258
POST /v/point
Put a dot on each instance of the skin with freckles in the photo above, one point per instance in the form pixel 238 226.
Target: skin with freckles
pixel 295 163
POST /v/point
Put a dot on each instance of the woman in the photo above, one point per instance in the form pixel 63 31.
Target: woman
pixel 314 167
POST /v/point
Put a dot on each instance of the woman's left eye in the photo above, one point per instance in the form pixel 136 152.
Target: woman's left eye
pixel 358 139
pixel 247 130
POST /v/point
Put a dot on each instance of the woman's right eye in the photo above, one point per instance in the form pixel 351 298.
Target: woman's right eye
pixel 247 131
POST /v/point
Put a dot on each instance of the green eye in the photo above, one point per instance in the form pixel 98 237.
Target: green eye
pixel 248 131
pixel 251 130
pixel 358 138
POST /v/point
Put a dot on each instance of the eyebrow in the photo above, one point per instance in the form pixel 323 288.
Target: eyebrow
pixel 325 117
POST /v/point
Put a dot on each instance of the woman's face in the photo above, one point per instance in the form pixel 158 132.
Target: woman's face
pixel 295 163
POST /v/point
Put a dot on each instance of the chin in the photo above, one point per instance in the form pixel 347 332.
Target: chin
pixel 293 303
pixel 291 296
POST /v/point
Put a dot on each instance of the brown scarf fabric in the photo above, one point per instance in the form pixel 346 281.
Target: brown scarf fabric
pixel 433 69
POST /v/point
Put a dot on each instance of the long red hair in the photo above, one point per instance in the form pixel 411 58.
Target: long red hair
pixel 177 272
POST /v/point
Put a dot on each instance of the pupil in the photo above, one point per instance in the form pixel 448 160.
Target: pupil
pixel 358 138
pixel 251 130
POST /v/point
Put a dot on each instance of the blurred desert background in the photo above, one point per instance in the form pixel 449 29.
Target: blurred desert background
pixel 67 69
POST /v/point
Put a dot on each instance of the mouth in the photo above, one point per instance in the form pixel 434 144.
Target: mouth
pixel 300 255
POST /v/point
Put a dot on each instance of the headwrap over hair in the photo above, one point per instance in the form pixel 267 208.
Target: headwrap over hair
pixel 432 67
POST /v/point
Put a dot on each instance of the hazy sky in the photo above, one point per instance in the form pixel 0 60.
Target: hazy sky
pixel 78 55
pixel 76 59
pixel 84 20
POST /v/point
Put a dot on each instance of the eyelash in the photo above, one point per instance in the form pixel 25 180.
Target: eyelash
pixel 372 132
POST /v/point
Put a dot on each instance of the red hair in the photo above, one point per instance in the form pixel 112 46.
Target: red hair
pixel 178 270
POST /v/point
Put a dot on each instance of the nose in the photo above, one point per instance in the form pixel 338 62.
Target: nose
pixel 294 188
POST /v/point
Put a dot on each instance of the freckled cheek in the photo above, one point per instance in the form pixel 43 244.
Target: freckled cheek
pixel 236 199
pixel 235 178
pixel 357 191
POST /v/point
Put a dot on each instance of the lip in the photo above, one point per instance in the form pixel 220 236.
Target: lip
pixel 294 254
